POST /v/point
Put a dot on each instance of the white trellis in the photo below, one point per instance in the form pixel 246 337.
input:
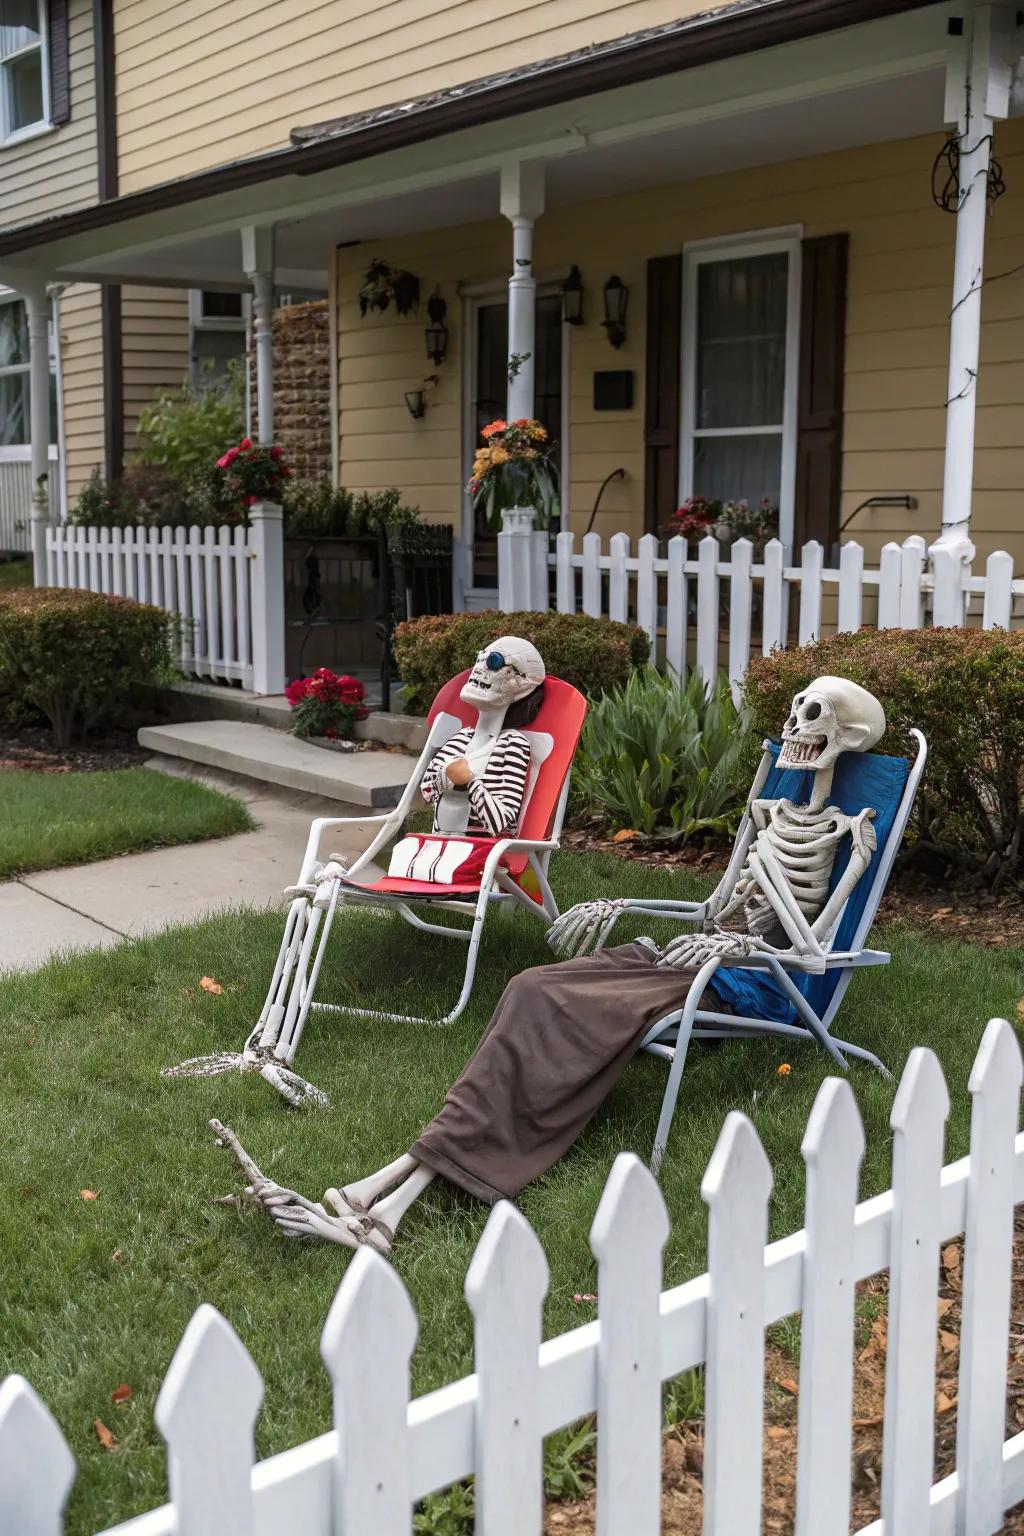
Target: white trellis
pixel 225 585
pixel 387 1452
pixel 721 606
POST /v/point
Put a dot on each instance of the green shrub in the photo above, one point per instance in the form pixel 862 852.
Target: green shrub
pixel 664 758
pixel 964 688
pixel 315 508
pixel 188 429
pixel 591 654
pixel 78 656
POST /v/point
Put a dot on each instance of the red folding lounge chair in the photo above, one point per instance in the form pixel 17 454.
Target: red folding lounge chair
pixel 515 870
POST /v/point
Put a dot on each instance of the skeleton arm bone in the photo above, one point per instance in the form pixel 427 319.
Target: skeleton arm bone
pixel 591 922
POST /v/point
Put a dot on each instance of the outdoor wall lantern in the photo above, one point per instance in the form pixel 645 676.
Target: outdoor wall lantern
pixel 572 297
pixel 616 300
pixel 436 333
pixel 416 403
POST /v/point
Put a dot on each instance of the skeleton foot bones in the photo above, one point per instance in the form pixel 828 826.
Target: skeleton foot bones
pixel 346 1223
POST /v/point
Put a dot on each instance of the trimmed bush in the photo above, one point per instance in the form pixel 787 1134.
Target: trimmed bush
pixel 78 656
pixel 662 758
pixel 317 509
pixel 964 688
pixel 593 655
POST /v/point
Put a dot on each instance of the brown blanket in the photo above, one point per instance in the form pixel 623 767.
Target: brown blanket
pixel 560 1039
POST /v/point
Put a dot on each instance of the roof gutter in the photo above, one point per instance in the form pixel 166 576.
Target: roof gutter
pixel 704 39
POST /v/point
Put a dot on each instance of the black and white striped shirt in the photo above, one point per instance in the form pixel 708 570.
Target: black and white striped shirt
pixel 495 799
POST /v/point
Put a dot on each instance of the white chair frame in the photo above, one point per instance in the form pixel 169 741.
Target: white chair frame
pixel 670 1037
pixel 291 994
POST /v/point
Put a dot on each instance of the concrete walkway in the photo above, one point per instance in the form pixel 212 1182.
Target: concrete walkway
pixel 103 903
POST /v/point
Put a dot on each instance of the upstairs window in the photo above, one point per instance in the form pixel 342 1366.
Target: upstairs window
pixel 24 82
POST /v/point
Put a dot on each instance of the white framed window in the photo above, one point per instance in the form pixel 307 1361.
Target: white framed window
pixel 741 321
pixel 15 418
pixel 24 70
pixel 218 327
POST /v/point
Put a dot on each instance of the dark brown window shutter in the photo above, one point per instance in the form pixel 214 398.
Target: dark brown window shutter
pixel 819 445
pixel 60 65
pixel 661 397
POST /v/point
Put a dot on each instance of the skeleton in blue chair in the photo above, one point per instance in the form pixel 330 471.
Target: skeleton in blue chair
pixel 774 898
pixel 475 785
pixel 563 1034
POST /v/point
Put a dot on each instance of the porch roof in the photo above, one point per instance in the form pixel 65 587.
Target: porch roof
pixel 723 33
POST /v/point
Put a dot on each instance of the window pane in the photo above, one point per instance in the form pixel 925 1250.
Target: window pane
pixel 19 25
pixel 222 306
pixel 741 341
pixel 212 351
pixel 14 419
pixel 25 90
pixel 738 468
pixel 13 334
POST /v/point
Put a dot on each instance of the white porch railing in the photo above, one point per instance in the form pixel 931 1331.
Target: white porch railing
pixel 225 584
pixel 16 501
pixel 678 599
pixel 386 1452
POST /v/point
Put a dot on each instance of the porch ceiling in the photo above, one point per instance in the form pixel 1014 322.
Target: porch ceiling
pixel 875 81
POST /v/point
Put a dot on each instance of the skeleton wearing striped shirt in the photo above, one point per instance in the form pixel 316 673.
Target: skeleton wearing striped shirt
pixel 490 802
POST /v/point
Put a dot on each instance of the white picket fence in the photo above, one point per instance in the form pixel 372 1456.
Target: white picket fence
pixel 385 1453
pixel 679 598
pixel 201 574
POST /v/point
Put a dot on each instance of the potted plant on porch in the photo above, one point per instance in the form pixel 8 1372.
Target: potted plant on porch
pixel 515 468
pixel 326 707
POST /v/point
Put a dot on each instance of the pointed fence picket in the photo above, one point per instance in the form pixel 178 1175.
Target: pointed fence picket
pixel 385 1452
pixel 717 607
pixel 202 575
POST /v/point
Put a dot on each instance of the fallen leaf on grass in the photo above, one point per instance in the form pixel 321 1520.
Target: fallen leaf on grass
pixel 105 1436
pixel 28 1191
pixel 89 1194
pixel 209 985
pixel 627 835
pixel 941 912
pixel 122 1394
pixel 787 1384
pixel 943 1403
pixel 949 1341
pixel 118 1255
pixel 1020 1008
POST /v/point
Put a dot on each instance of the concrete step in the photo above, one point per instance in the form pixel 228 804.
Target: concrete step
pixel 371 779
pixel 190 701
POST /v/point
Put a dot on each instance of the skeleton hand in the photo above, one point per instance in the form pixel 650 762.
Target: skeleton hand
pixel 691 950
pixel 589 923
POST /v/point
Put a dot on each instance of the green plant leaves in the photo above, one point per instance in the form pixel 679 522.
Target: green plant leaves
pixel 663 758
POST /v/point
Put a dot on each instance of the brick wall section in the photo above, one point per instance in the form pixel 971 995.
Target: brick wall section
pixel 302 388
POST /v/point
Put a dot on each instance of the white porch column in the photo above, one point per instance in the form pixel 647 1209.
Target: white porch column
pixel 37 309
pixel 978 82
pixel 258 265
pixel 522 203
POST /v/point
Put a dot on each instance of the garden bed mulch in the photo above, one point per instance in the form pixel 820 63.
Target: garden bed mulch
pixel 33 749
pixel 682 1452
pixel 916 902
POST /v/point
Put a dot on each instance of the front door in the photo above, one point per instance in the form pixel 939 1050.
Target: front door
pixel 488 398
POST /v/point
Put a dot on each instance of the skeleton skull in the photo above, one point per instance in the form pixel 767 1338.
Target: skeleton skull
pixel 507 670
pixel 832 715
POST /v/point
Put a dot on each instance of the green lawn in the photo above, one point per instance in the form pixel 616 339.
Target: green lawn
pixel 95 1293
pixel 52 819
pixel 15 574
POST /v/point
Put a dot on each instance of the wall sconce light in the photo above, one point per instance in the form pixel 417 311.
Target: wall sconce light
pixel 416 403
pixel 572 297
pixel 436 333
pixel 616 301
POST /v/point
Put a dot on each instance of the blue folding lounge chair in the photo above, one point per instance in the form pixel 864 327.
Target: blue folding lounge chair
pixel 784 997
